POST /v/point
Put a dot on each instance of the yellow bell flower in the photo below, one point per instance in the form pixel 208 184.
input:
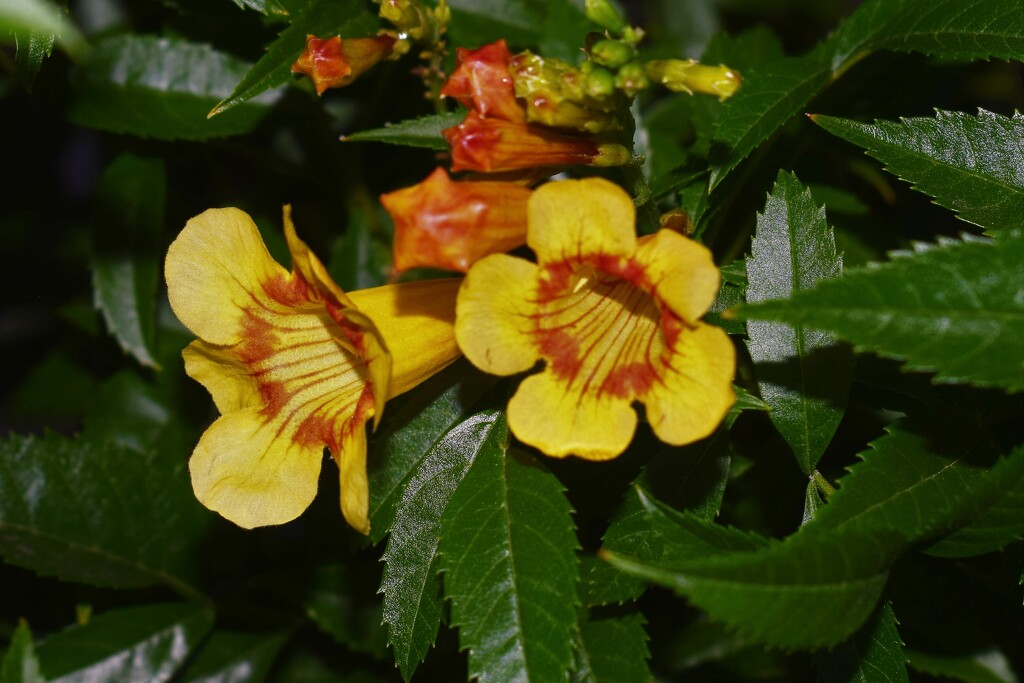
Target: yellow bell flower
pixel 615 320
pixel 293 364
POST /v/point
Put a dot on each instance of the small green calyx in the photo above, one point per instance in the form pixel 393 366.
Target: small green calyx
pixel 558 94
pixel 611 53
pixel 602 13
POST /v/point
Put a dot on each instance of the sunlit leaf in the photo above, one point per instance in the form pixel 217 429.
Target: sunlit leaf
pixel 802 374
pixel 954 308
pixel 325 18
pixel 990 666
pixel 160 88
pixel 262 6
pixel 44 19
pixel 413 595
pixel 422 132
pixel 971 164
pixel 508 552
pixel 148 643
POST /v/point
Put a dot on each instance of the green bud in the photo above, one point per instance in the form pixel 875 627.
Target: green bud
pixel 610 154
pixel 631 79
pixel 599 83
pixel 688 75
pixel 604 14
pixel 611 53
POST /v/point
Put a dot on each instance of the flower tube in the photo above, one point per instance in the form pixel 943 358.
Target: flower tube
pixel 482 82
pixel 615 320
pixel 293 364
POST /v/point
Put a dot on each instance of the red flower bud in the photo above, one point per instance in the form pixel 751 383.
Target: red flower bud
pixel 334 62
pixel 482 82
pixel 440 223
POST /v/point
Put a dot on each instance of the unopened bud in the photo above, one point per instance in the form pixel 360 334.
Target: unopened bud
pixel 611 53
pixel 599 83
pixel 631 79
pixel 610 154
pixel 687 75
pixel 604 14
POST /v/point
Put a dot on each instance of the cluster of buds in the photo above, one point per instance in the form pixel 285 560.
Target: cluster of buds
pixel 335 62
pixel 529 117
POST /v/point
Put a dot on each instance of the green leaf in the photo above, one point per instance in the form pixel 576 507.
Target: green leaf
pixel 413 594
pixel 20 664
pixel 343 606
pixel 611 648
pixel 45 19
pixel 148 643
pixel 990 666
pixel 770 96
pixel 346 18
pixel 407 437
pixel 954 29
pixel 422 132
pixel 973 165
pixel 805 592
pixel 234 657
pixel 995 516
pixel 508 552
pixel 31 50
pixel 160 88
pixel 873 655
pixel 953 308
pixel 262 6
pixel 100 511
pixel 126 251
pixel 477 22
pixel 802 374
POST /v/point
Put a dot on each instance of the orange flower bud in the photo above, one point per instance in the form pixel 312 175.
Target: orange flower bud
pixel 491 145
pixel 334 63
pixel 440 223
pixel 482 82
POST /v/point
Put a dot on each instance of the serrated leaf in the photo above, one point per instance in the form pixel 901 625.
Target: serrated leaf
pixel 96 511
pixel 345 18
pixel 955 29
pixel 989 666
pixel 422 132
pixel 691 478
pixel 802 593
pixel 954 308
pixel 41 17
pixel 508 552
pixel 973 165
pixel 408 435
pixel 234 657
pixel 873 655
pixel 20 663
pixel 611 648
pixel 770 96
pixel 412 587
pixel 160 88
pixel 126 258
pixel 802 374
pixel 995 517
pixel 148 643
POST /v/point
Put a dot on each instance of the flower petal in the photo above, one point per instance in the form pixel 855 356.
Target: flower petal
pixel 680 272
pixel 223 374
pixel 574 220
pixel 216 268
pixel 241 469
pixel 306 264
pixel 493 315
pixel 353 481
pixel 696 388
pixel 547 414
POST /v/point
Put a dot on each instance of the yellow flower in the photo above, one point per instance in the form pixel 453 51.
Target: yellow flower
pixel 294 364
pixel 615 320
